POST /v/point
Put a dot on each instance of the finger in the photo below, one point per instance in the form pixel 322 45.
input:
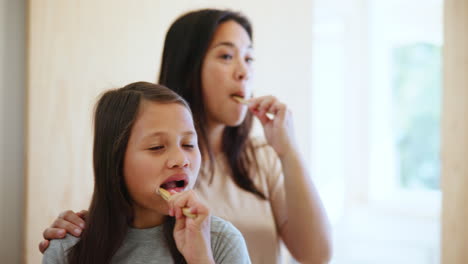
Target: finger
pixel 261 116
pixel 185 202
pixel 259 103
pixel 265 104
pixel 69 227
pixel 83 214
pixel 179 224
pixel 174 201
pixel 73 218
pixel 276 108
pixel 53 233
pixel 202 213
pixel 255 102
pixel 43 245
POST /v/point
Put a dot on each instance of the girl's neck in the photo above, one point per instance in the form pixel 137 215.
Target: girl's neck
pixel 145 218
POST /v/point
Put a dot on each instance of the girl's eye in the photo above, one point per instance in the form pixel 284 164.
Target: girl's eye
pixel 156 148
pixel 188 146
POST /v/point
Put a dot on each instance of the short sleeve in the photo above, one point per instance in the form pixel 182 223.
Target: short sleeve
pixel 56 252
pixel 227 243
pixel 270 166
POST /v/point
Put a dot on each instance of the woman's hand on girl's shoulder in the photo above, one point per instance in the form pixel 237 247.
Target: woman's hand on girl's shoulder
pixel 67 222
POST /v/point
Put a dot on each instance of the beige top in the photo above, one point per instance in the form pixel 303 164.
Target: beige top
pixel 258 220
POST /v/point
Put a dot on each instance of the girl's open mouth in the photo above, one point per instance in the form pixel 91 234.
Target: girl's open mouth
pixel 175 185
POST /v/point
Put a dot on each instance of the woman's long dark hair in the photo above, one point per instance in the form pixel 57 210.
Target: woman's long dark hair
pixel 185 47
pixel 110 212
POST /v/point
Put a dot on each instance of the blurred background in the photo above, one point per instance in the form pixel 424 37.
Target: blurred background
pixel 363 79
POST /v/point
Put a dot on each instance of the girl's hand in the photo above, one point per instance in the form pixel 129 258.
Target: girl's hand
pixel 192 235
pixel 279 131
pixel 67 222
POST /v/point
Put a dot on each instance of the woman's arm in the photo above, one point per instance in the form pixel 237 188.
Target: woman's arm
pixel 306 232
pixel 307 222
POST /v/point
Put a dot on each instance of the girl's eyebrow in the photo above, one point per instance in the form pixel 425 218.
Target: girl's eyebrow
pixel 189 133
pixel 162 133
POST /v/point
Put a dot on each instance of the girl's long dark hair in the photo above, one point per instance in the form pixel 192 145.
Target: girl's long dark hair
pixel 185 47
pixel 110 212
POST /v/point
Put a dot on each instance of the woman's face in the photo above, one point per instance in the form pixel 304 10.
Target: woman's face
pixel 162 151
pixel 227 71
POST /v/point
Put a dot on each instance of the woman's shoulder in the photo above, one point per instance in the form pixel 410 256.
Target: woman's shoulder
pixel 264 154
pixel 258 142
pixel 261 146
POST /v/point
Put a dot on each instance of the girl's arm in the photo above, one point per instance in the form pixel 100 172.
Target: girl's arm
pixel 306 232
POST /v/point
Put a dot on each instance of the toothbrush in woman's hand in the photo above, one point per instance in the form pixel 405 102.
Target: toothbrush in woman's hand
pixel 241 100
pixel 167 195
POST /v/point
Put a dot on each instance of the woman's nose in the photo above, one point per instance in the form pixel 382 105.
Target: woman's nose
pixel 242 71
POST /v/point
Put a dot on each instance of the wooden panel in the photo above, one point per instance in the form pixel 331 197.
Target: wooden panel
pixel 455 134
pixel 76 50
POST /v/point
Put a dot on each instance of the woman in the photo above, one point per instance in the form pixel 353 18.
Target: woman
pixel 263 188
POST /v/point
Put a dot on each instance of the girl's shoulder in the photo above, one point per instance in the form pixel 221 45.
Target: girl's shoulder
pixel 227 243
pixel 56 252
pixel 221 227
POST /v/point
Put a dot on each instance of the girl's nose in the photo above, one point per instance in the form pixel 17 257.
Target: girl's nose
pixel 177 159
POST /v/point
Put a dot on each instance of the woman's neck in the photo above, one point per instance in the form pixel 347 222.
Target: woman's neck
pixel 215 137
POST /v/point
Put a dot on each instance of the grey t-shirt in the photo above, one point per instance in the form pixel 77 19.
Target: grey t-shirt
pixel 149 246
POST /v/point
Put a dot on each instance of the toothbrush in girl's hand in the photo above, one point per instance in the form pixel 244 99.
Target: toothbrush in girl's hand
pixel 167 195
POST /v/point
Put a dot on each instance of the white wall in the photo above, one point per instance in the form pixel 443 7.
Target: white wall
pixel 12 92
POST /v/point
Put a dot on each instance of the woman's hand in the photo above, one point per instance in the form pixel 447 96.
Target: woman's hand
pixel 279 131
pixel 192 235
pixel 67 222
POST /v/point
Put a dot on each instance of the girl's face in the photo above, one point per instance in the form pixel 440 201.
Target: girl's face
pixel 162 151
pixel 227 71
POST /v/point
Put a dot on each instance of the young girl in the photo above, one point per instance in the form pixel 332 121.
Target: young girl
pixel 144 139
pixel 262 186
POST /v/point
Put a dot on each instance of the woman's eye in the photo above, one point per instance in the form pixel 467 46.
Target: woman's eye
pixel 226 57
pixel 156 148
pixel 188 146
pixel 249 60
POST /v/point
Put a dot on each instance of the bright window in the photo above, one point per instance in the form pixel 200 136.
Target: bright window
pixel 376 127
